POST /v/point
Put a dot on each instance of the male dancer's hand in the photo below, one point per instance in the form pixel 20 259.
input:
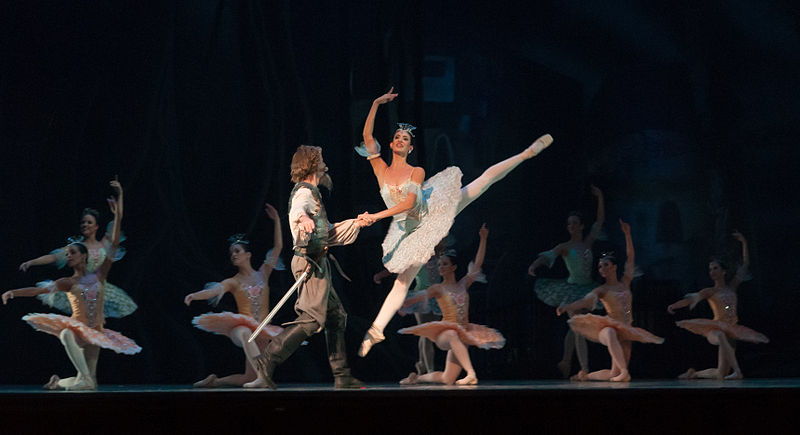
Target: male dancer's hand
pixel 306 224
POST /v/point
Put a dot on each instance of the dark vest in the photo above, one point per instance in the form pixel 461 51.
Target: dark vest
pixel 319 240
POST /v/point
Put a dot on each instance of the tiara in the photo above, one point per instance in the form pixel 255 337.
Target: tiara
pixel 75 239
pixel 408 128
pixel 449 253
pixel 608 255
pixel 238 239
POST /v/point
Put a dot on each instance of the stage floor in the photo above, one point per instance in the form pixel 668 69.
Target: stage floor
pixel 640 406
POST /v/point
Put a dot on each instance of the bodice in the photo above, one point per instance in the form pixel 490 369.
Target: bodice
pixel 454 304
pixel 579 266
pixel 85 299
pixel 723 304
pixel 96 257
pixel 394 194
pixel 619 305
pixel 250 297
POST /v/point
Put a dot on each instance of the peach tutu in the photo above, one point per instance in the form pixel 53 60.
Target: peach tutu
pixel 469 333
pixel 105 338
pixel 737 332
pixel 590 325
pixel 225 322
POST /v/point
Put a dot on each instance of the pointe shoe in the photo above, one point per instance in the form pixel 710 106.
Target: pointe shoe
pixel 622 377
pixel 411 379
pixel 468 380
pixel 538 146
pixel 83 383
pixel 209 382
pixel 52 384
pixel 688 374
pixel 734 376
pixel 579 377
pixel 371 338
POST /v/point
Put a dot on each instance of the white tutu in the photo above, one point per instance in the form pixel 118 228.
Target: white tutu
pixel 410 242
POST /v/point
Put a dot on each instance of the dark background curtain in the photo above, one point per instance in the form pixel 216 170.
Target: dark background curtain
pixel 685 114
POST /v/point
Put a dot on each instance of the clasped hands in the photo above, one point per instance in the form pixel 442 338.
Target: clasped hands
pixel 366 219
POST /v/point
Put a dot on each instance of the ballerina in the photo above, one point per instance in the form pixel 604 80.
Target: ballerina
pixel 577 256
pixel 117 303
pixel 250 289
pixel 613 330
pixel 723 330
pixel 454 332
pixel 422 214
pixel 82 334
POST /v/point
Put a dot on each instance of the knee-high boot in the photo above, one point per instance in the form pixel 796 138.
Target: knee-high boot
pixel 337 357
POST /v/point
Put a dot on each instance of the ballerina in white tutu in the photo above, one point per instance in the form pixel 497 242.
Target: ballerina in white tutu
pixel 422 213
pixel 724 329
pixel 82 334
pixel 250 290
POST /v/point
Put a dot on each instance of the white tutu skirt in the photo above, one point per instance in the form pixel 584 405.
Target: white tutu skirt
pixel 410 243
pixel 105 338
pixel 224 323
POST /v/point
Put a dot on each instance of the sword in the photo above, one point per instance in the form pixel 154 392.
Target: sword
pixel 279 304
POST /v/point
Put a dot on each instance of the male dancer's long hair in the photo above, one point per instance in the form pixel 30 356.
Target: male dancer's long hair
pixel 305 162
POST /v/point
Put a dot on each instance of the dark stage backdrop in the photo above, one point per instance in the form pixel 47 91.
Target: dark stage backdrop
pixel 684 114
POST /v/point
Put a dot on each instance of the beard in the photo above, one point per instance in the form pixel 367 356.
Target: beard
pixel 326 182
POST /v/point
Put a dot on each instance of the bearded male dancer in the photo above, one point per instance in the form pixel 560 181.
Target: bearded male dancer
pixel 318 306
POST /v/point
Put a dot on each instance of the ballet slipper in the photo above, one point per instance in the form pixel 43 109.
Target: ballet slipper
pixel 411 379
pixel 371 338
pixel 209 382
pixel 468 380
pixel 688 374
pixel 624 376
pixel 734 376
pixel 579 377
pixel 84 383
pixel 538 146
pixel 52 384
pixel 564 367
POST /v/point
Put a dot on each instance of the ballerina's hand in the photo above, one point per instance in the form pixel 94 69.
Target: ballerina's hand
pixel 271 212
pixel 532 270
pixel 385 98
pixel 366 217
pixel 116 184
pixel 738 236
pixel 560 310
pixel 483 232
pixel 188 299
pixel 596 191
pixel 626 228
pixel 670 309
pixel 24 266
pixel 7 295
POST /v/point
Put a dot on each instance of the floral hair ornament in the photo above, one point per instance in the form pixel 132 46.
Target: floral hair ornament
pixel 408 128
pixel 238 239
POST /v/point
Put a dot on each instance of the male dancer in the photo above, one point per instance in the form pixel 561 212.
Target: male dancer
pixel 318 306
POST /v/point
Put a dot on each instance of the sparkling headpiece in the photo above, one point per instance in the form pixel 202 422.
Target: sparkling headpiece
pixel 608 255
pixel 75 239
pixel 449 253
pixel 238 239
pixel 408 128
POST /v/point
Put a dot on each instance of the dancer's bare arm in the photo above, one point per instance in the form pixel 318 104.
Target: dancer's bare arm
pixel 601 216
pixel 225 286
pixel 743 270
pixel 630 263
pixel 585 303
pixel 116 206
pixel 62 285
pixel 277 243
pixel 470 277
pixel 417 176
pixel 378 165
